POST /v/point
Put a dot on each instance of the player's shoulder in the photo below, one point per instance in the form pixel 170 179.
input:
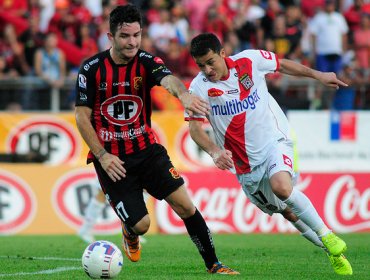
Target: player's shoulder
pixel 93 61
pixel 199 80
pixel 144 56
pixel 250 53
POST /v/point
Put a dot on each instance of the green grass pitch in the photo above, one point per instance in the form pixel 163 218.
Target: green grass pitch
pixel 255 256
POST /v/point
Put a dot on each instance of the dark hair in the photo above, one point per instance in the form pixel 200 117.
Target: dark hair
pixel 123 14
pixel 203 43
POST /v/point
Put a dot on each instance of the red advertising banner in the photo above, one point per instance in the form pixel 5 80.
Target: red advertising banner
pixel 341 199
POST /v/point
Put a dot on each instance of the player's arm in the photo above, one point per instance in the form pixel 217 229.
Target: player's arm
pixel 290 67
pixel 192 104
pixel 110 163
pixel 221 158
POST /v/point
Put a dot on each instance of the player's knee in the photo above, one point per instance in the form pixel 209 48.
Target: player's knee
pixel 184 210
pixel 281 186
pixel 142 226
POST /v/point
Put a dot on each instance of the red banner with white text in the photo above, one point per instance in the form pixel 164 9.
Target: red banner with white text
pixel 341 199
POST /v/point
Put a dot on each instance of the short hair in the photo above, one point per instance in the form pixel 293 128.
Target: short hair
pixel 124 14
pixel 203 43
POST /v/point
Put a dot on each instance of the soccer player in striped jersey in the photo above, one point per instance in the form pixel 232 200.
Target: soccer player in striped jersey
pixel 113 115
pixel 253 135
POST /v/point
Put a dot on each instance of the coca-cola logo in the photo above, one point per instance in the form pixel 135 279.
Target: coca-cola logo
pixel 347 206
pixel 224 206
pixel 341 200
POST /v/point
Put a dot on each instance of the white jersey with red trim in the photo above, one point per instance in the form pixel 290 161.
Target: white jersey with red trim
pixel 245 118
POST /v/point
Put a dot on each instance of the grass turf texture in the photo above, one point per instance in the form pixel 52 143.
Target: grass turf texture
pixel 255 256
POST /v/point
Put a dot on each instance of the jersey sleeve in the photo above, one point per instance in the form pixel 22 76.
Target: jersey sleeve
pixel 86 84
pixel 155 67
pixel 264 61
pixel 195 89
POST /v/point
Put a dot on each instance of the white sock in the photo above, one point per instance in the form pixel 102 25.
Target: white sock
pixel 300 205
pixel 308 233
pixel 92 212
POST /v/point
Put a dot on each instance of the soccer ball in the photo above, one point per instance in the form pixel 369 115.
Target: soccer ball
pixel 102 259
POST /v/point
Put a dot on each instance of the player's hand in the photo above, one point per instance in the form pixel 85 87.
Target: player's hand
pixel 194 104
pixel 330 79
pixel 113 166
pixel 223 159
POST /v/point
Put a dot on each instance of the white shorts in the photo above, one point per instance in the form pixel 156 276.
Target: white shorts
pixel 256 184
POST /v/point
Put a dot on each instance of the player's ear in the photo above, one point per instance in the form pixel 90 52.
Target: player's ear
pixel 223 53
pixel 110 36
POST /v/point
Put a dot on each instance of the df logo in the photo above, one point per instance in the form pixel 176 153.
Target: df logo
pixel 71 195
pixel 17 203
pixel 55 139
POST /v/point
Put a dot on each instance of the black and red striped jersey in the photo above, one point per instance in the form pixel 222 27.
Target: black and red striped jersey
pixel 119 96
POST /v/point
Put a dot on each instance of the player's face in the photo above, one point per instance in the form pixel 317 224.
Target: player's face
pixel 213 65
pixel 126 41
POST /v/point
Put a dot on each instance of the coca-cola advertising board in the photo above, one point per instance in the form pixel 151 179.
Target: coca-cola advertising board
pixel 341 199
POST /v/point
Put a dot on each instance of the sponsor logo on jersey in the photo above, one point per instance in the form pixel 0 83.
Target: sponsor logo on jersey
pixel 158 60
pixel 236 106
pixel 122 109
pixel 138 81
pixel 103 86
pixel 266 54
pixel 232 91
pixel 17 203
pixel 87 65
pixel 175 174
pixel 83 96
pixel 246 81
pixel 71 195
pixel 122 84
pixel 287 161
pixel 81 81
pixel 272 166
pixel 130 134
pixel 214 92
pixel 143 54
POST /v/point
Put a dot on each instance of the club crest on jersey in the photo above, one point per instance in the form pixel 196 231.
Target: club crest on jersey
pixel 175 174
pixel 214 92
pixel 246 81
pixel 138 81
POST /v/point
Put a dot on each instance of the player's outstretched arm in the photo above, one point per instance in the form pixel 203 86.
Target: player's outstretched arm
pixel 192 104
pixel 293 68
pixel 221 158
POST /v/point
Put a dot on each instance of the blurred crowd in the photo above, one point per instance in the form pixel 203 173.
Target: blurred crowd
pixel 49 39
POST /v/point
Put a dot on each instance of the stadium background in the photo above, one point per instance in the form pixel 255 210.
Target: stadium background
pixel 45 183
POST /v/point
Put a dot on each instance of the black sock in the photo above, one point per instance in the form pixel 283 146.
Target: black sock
pixel 129 230
pixel 201 236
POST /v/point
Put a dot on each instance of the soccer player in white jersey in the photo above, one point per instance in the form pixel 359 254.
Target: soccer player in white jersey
pixel 253 136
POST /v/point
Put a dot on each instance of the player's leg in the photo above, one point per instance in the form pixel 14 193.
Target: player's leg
pixel 305 230
pixel 198 230
pixel 92 212
pixel 162 181
pixel 280 169
pixel 339 263
pixel 126 199
pixel 301 206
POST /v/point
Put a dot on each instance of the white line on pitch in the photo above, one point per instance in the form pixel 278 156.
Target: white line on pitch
pixel 49 271
pixel 41 258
